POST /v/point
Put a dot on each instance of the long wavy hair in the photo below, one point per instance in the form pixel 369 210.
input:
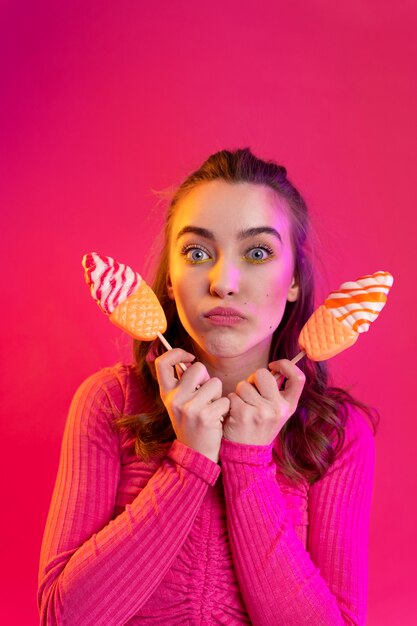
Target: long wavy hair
pixel 311 438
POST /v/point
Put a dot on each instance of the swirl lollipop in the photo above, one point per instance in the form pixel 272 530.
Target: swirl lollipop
pixel 123 295
pixel 345 314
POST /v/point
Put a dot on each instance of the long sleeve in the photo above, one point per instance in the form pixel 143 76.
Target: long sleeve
pixel 281 581
pixel 95 569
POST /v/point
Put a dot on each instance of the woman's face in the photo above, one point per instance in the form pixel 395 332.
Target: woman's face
pixel 231 268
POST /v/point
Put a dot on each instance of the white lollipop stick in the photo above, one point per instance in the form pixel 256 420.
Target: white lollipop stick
pixel 169 347
pixel 279 377
pixel 298 357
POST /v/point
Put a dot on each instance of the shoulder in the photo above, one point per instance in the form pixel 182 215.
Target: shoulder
pixel 358 429
pixel 109 381
pixel 111 392
pixel 357 450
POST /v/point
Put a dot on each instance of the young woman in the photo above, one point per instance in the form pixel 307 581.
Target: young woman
pixel 218 495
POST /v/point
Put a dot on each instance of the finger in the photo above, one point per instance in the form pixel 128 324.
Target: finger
pixel 247 392
pixel 180 371
pixel 293 389
pixel 295 379
pixel 195 376
pixel 279 380
pixel 265 383
pixel 219 409
pixel 236 403
pixel 210 391
pixel 165 367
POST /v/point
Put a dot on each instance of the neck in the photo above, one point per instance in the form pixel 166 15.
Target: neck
pixel 232 370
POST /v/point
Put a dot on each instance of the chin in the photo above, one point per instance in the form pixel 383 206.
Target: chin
pixel 222 347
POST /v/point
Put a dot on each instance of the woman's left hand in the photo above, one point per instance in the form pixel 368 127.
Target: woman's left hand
pixel 258 409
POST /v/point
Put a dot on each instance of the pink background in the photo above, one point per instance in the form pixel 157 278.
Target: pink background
pixel 104 102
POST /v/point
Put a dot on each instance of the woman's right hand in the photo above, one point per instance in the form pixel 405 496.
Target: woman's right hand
pixel 194 403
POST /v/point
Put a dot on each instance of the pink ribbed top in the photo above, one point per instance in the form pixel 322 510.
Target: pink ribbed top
pixel 183 540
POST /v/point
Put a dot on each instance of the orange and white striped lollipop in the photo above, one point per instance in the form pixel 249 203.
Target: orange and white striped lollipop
pixel 347 312
pixel 123 295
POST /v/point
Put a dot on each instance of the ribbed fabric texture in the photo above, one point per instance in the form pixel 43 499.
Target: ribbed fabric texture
pixel 183 540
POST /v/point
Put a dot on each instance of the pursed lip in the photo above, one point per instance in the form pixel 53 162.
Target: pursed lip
pixel 224 312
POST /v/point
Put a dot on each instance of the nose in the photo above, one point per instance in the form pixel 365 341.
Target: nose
pixel 224 279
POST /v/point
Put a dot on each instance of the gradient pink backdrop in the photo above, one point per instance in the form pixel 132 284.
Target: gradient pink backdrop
pixel 104 102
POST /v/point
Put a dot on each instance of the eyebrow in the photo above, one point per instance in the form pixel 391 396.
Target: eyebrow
pixel 242 234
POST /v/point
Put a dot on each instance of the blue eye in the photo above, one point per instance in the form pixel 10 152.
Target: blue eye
pixel 259 254
pixel 195 254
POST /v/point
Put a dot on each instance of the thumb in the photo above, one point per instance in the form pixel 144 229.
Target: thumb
pixel 179 371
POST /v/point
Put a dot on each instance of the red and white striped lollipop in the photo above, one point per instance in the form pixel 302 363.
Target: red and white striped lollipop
pixel 123 295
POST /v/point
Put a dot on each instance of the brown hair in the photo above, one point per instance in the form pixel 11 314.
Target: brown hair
pixel 307 438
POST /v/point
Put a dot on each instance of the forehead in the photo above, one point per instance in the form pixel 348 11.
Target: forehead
pixel 230 207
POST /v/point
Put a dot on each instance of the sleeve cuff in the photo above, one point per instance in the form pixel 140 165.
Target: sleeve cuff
pixel 245 453
pixel 194 462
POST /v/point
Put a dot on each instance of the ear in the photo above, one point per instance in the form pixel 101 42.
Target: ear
pixel 170 290
pixel 293 291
